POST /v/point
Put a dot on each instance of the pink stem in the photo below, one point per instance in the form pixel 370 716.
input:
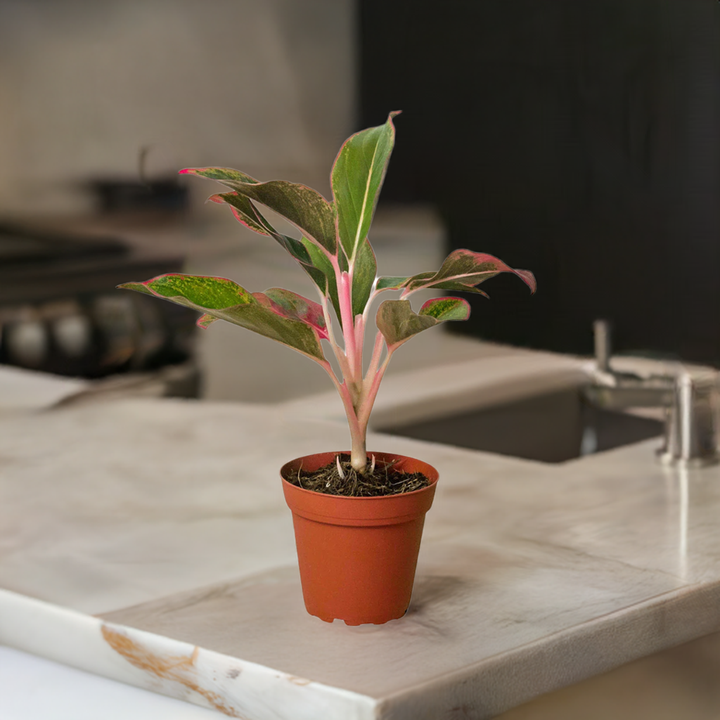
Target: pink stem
pixel 339 354
pixel 345 397
pixel 344 285
pixel 358 432
pixel 373 295
pixel 345 301
pixel 359 342
pixel 369 398
pixel 377 352
pixel 358 452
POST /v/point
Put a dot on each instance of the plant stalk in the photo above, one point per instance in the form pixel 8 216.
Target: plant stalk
pixel 348 328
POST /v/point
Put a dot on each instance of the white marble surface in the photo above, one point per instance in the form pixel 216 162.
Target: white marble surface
pixel 25 390
pixel 165 519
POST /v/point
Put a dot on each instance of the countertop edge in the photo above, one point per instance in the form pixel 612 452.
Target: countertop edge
pixel 504 681
pixel 232 686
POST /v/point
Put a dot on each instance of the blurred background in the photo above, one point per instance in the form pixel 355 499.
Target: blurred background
pixel 576 139
pixel 102 104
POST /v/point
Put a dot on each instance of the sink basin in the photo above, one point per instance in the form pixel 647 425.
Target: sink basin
pixel 552 427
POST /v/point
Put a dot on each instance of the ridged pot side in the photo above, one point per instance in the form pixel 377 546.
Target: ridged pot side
pixel 357 556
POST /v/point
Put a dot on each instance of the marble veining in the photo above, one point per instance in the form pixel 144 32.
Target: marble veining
pixel 232 686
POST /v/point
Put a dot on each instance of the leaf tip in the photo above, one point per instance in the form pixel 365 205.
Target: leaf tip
pixel 529 279
pixel 204 321
pixel 142 287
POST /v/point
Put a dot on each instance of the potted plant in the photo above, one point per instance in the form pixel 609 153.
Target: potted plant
pixel 358 517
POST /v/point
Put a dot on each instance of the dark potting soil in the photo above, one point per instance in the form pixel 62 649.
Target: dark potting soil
pixel 384 480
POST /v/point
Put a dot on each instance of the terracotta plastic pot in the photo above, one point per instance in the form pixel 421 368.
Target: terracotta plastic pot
pixel 357 556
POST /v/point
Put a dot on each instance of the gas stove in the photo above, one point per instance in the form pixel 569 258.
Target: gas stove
pixel 60 311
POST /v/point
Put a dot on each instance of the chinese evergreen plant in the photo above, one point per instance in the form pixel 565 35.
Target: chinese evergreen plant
pixel 335 252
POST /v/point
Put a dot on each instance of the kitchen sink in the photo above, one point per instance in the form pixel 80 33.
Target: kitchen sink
pixel 552 427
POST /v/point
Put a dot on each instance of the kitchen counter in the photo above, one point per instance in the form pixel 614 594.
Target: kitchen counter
pixel 147 541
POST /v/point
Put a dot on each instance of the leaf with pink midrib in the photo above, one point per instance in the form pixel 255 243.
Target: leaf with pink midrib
pixel 463 269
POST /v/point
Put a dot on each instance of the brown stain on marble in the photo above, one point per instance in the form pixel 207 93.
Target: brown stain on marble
pixel 298 680
pixel 176 668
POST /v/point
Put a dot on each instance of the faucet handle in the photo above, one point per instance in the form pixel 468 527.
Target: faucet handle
pixel 691 429
pixel 602 331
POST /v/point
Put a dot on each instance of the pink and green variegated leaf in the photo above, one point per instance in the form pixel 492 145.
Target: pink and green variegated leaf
pixel 244 211
pixel 207 293
pixel 445 309
pixel 357 177
pixel 311 258
pixel 205 321
pixel 294 306
pixel 459 287
pixel 223 175
pixel 327 282
pixel 463 270
pixel 392 282
pixel 302 206
pixel 225 300
pixel 398 322
pixel 399 282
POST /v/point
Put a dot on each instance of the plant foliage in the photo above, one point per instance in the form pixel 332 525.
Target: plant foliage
pixel 334 250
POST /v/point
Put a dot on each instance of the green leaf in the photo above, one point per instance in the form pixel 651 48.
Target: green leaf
pixel 305 208
pixel 399 282
pixel 392 282
pixel 311 258
pixel 398 322
pixel 357 177
pixel 246 213
pixel 462 270
pixel 446 308
pixel 225 300
pixel 363 278
pixel 459 287
pixel 208 293
pixel 326 281
pixel 223 175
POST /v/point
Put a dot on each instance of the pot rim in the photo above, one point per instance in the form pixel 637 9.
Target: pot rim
pixel 359 511
pixel 313 493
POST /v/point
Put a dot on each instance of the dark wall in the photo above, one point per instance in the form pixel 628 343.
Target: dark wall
pixel 577 139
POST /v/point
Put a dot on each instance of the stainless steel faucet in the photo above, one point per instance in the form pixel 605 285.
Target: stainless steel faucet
pixel 690 401
pixel 691 423
pixel 621 390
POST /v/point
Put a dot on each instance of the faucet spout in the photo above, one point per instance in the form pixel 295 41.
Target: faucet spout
pixel 690 401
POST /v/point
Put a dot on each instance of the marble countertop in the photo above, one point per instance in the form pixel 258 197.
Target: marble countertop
pixel 147 541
